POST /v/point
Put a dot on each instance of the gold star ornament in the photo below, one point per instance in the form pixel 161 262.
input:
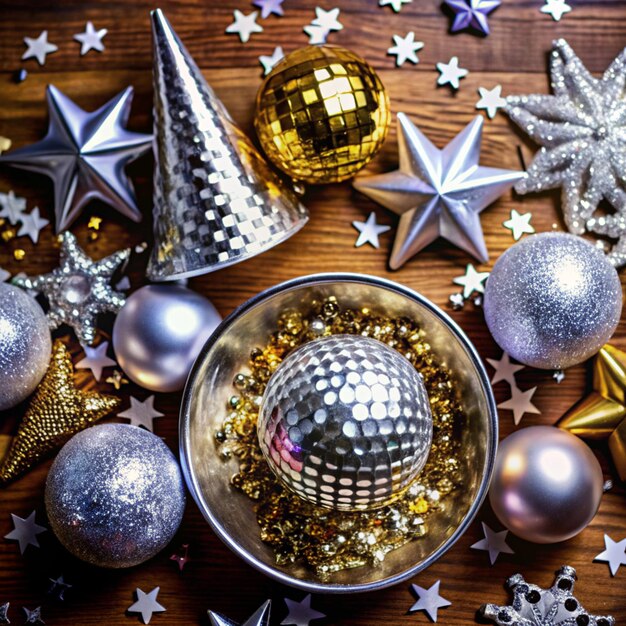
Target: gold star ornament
pixel 602 414
pixel 57 411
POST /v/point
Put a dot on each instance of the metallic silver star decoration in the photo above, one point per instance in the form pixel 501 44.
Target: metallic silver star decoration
pixel 261 617
pixel 534 606
pixel 559 376
pixel 146 604
pixel 614 554
pixel 300 613
pixel 78 290
pixel 520 403
pixel 12 207
pixel 96 359
pixel 438 193
pixel 25 531
pixel 268 62
pixel 472 281
pixel 581 130
pixel 450 73
pixel 34 616
pixel 519 224
pixel 491 100
pixel 4 613
pixel 505 370
pixel 85 154
pixel 396 5
pixel 494 543
pixel 38 48
pixel 404 48
pixel 141 413
pixel 244 25
pixel 32 224
pixel 429 600
pixel 369 231
pixel 58 588
pixel 91 39
pixel 556 8
pixel 269 7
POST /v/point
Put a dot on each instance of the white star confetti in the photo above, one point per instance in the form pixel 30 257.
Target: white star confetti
pixel 4 275
pixel 429 600
pixel 12 207
pixel 268 62
pixel 244 25
pixel 457 301
pixel 369 231
pixel 396 5
pixel 141 413
pixel 38 48
pixel 96 359
pixel 328 20
pixel 505 370
pixel 494 543
pixel 91 39
pixel 317 34
pixel 32 224
pixel 519 224
pixel 25 531
pixel 491 100
pixel 404 48
pixel 268 7
pixel 300 613
pixel 520 403
pixel 614 554
pixel 450 73
pixel 556 8
pixel 472 281
pixel 146 604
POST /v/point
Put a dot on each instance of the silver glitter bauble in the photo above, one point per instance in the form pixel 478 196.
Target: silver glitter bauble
pixel 115 495
pixel 345 422
pixel 552 300
pixel 25 345
pixel 159 333
pixel 547 484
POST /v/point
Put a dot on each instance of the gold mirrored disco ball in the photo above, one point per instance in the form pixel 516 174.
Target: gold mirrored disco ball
pixel 322 114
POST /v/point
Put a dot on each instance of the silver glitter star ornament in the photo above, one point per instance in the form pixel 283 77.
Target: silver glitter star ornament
pixel 85 154
pixel 261 617
pixel 582 133
pixel 534 606
pixel 438 193
pixel 79 289
pixel 216 201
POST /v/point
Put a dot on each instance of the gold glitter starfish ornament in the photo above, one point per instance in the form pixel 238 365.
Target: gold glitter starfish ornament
pixel 57 411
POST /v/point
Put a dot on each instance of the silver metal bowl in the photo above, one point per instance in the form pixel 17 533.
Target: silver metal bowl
pixel 226 353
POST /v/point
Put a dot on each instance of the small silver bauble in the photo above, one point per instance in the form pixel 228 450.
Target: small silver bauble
pixel 25 345
pixel 546 485
pixel 552 300
pixel 345 422
pixel 115 495
pixel 159 333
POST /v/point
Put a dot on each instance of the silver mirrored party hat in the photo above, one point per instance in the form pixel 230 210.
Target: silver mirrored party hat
pixel 216 201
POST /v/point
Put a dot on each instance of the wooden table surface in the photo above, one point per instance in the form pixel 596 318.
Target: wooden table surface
pixel 515 56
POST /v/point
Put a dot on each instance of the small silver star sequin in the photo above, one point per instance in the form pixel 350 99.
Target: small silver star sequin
pixel 146 604
pixel 556 8
pixel 404 48
pixel 505 370
pixel 472 281
pixel 369 231
pixel 32 224
pixel 429 600
pixel 25 531
pixel 491 100
pixel 90 39
pixel 450 73
pixel 268 62
pixel 96 359
pixel 300 613
pixel 396 5
pixel 244 25
pixel 12 207
pixel 141 413
pixel 614 554
pixel 519 224
pixel 494 543
pixel 38 48
pixel 520 403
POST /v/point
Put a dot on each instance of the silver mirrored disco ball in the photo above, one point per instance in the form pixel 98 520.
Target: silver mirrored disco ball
pixel 345 422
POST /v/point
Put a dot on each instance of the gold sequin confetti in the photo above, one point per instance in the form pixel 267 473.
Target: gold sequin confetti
pixel 117 380
pixel 19 254
pixel 8 234
pixel 5 144
pixel 94 222
pixel 326 540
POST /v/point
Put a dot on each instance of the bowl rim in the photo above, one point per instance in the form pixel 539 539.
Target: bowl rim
pixel 184 428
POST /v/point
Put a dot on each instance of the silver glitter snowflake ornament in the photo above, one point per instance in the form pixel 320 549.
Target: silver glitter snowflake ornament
pixel 582 133
pixel 534 606
pixel 78 290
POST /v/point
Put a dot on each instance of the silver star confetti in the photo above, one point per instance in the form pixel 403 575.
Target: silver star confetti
pixel 146 604
pixel 581 130
pixel 369 231
pixel 300 613
pixel 91 39
pixel 505 370
pixel 58 587
pixel 25 531
pixel 556 8
pixel 78 290
pixel 559 376
pixel 269 7
pixel 32 224
pixel 472 281
pixel 490 100
pixel 244 25
pixel 494 543
pixel 4 613
pixel 404 48
pixel 519 224
pixel 534 606
pixel 457 301
pixel 34 616
pixel 614 554
pixel 96 359
pixel 328 20
pixel 12 207
pixel 396 5
pixel 438 193
pixel 429 600
pixel 261 617
pixel 268 62
pixel 38 48
pixel 520 403
pixel 141 413
pixel 85 154
pixel 317 34
pixel 450 73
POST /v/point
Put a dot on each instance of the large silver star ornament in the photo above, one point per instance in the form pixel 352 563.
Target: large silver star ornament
pixel 79 289
pixel 582 133
pixel 85 154
pixel 438 193
pixel 261 617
